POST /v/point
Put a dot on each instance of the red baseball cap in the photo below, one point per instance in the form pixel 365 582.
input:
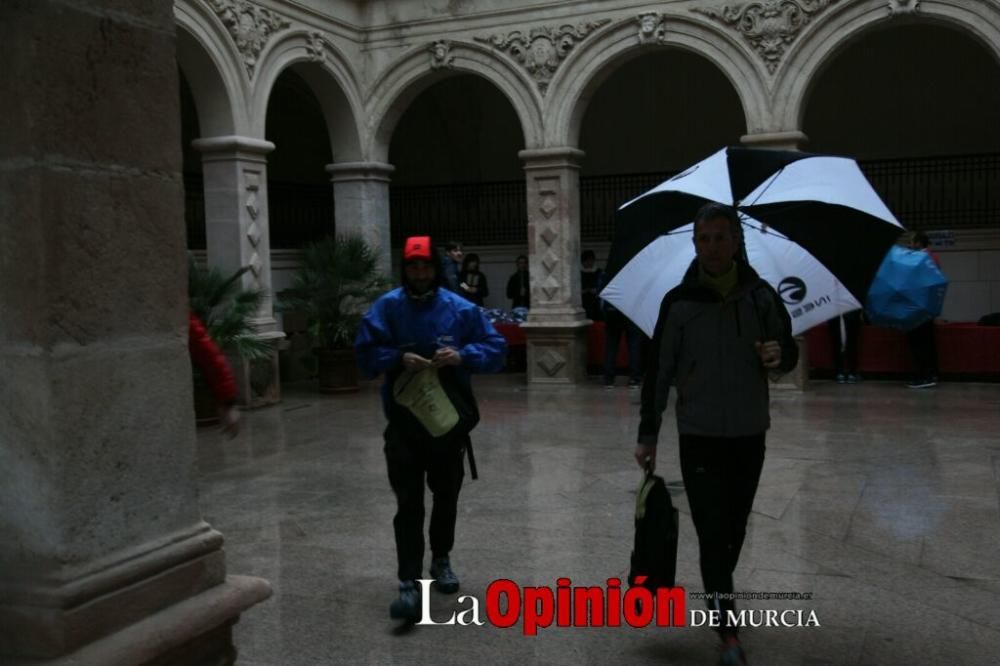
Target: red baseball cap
pixel 417 247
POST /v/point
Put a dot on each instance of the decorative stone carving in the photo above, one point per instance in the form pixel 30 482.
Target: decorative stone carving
pixel 250 27
pixel 652 28
pixel 441 55
pixel 543 49
pixel 769 26
pixel 255 265
pixel 903 7
pixel 253 234
pixel 252 187
pixel 551 362
pixel 316 47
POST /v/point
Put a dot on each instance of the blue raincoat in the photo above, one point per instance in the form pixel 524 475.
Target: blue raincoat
pixel 397 323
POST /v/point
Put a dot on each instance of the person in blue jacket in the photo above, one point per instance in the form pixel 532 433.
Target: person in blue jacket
pixel 427 341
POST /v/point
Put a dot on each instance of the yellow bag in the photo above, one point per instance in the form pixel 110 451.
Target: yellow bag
pixel 420 391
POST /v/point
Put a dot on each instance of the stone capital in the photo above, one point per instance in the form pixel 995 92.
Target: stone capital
pixel 786 140
pixel 551 158
pixel 343 172
pixel 232 147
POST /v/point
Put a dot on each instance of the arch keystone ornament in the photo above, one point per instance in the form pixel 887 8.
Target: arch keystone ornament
pixel 250 27
pixel 541 50
pixel 316 47
pixel 652 28
pixel 441 55
pixel 903 7
pixel 768 26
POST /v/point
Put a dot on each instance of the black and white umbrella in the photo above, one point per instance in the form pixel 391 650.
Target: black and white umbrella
pixel 813 228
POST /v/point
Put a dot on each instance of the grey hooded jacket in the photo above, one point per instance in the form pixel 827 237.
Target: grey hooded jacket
pixel 704 344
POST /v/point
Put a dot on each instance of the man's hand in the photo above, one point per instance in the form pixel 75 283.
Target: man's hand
pixel 229 418
pixel 769 352
pixel 446 356
pixel 413 361
pixel 645 455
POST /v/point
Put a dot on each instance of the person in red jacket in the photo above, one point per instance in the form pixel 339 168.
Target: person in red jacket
pixel 214 367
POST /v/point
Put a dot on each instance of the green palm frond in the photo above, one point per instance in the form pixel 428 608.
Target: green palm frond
pixel 226 309
pixel 336 282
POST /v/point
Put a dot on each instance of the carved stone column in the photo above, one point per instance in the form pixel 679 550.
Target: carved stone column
pixel 238 234
pixel 556 326
pixel 798 378
pixel 361 204
pixel 104 557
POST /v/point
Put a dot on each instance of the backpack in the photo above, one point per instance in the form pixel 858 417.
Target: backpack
pixel 656 520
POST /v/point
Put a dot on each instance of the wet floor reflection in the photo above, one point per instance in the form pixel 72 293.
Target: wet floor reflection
pixel 880 502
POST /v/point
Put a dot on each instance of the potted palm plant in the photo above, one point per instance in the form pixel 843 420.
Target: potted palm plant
pixel 336 283
pixel 226 310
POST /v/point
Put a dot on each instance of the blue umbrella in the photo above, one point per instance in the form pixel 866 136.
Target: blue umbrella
pixel 907 291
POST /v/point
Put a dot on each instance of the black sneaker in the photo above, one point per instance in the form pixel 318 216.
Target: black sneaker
pixel 445 579
pixel 634 383
pixel 921 384
pixel 841 378
pixel 609 382
pixel 407 606
pixel 852 378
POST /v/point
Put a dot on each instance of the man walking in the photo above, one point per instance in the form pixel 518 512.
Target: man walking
pixel 719 334
pixel 426 340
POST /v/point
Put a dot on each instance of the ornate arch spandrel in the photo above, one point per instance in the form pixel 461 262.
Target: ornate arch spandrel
pixel 588 66
pixel 399 84
pixel 847 22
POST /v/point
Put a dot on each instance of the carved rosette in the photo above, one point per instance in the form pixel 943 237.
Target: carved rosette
pixel 541 50
pixel 903 7
pixel 652 28
pixel 769 26
pixel 250 27
pixel 441 55
pixel 316 47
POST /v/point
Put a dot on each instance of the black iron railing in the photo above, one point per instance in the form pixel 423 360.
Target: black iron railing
pixel 472 213
pixel 951 192
pixel 297 213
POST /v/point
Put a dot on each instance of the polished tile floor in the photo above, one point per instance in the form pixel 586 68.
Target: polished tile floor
pixel 881 502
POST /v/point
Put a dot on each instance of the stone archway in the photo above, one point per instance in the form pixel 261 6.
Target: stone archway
pixel 397 87
pixel 844 24
pixel 208 63
pixel 595 60
pixel 328 74
pixel 924 130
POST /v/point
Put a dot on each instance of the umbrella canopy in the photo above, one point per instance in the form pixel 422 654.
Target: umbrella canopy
pixel 814 229
pixel 908 290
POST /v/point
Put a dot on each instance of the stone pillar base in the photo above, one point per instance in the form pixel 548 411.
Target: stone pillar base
pixel 557 353
pixel 194 632
pixel 798 378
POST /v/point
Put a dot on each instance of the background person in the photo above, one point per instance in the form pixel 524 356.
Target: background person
pixel 845 332
pixel 591 278
pixel 472 282
pixel 214 368
pixel 718 336
pixel 452 264
pixel 922 339
pixel 519 285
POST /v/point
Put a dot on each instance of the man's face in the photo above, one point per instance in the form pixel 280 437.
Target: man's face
pixel 420 275
pixel 522 265
pixel 456 254
pixel 715 245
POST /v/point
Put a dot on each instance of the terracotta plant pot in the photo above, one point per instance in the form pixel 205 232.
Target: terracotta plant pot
pixel 338 371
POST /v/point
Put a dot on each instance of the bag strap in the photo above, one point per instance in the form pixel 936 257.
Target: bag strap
pixel 472 460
